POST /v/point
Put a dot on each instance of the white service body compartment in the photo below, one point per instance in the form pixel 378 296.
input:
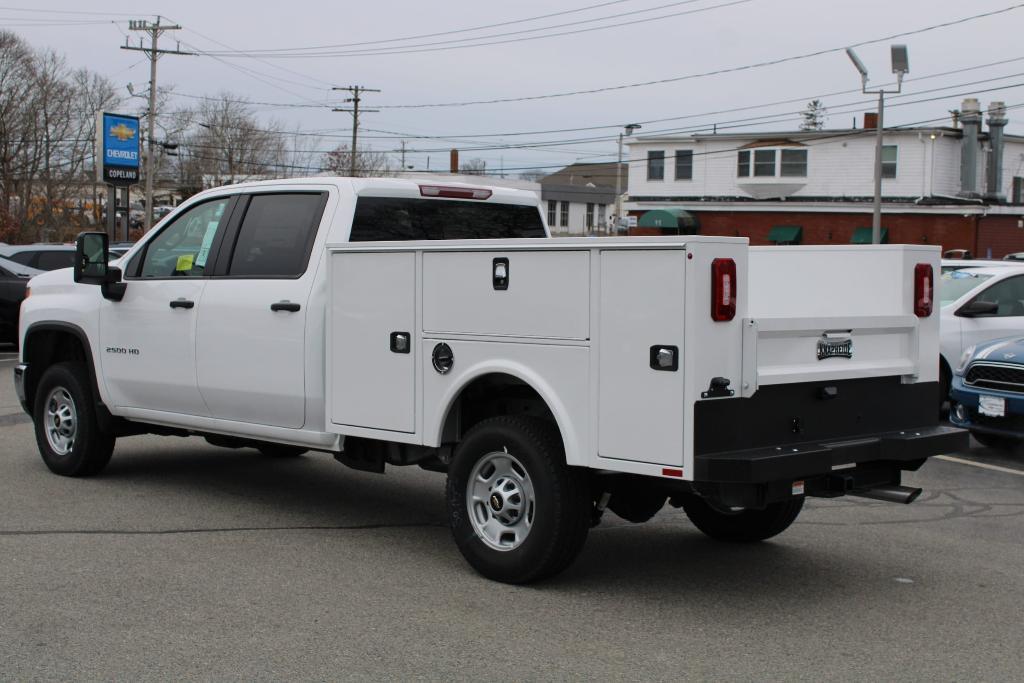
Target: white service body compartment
pixel 548 294
pixel 641 409
pixel 372 295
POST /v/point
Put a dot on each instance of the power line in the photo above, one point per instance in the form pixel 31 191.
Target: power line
pixel 440 47
pixel 716 72
pixel 450 32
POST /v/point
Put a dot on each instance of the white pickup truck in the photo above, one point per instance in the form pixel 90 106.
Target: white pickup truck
pixel 395 322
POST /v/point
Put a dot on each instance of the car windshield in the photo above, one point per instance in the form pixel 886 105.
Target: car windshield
pixel 955 283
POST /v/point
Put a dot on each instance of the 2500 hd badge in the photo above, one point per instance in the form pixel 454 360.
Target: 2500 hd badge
pixel 122 350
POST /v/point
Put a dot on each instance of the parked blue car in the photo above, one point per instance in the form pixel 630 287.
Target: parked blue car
pixel 987 395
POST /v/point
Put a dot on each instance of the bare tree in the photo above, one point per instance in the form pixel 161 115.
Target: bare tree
pixel 46 141
pixel 474 167
pixel 368 162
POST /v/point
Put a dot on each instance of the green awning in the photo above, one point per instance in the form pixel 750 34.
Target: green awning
pixel 670 219
pixel 785 234
pixel 863 236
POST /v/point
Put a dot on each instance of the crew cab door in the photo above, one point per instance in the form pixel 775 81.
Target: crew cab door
pixel 251 336
pixel 147 340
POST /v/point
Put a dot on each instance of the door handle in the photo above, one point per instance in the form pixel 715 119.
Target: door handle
pixel 289 306
pixel 182 303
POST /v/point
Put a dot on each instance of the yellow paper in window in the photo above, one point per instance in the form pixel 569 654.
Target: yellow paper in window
pixel 184 263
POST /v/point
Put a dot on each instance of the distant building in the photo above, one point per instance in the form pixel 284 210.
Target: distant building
pixel 580 198
pixel 958 187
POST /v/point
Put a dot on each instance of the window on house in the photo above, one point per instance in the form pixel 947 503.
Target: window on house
pixel 764 162
pixel 552 210
pixel 602 215
pixel 794 163
pixel 684 164
pixel 743 163
pixel 889 157
pixel 590 215
pixel 564 218
pixel 656 165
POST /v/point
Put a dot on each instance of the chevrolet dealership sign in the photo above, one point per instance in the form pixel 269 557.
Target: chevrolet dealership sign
pixel 117 142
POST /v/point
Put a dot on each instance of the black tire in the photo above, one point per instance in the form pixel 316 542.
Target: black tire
pixel 561 503
pixel 1002 443
pixel 88 448
pixel 742 526
pixel 276 450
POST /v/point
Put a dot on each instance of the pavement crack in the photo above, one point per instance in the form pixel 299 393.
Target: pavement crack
pixel 218 530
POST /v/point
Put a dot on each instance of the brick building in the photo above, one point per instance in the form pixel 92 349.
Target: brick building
pixel 958 187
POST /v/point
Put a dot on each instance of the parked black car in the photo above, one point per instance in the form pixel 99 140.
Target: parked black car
pixel 13 279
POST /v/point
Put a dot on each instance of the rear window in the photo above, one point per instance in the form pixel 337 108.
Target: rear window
pixel 23 257
pixel 389 219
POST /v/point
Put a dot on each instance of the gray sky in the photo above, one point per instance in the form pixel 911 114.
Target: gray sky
pixel 722 34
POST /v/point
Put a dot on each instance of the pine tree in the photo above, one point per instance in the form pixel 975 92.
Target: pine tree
pixel 814 116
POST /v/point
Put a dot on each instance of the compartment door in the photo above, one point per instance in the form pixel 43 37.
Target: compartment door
pixel 640 408
pixel 371 366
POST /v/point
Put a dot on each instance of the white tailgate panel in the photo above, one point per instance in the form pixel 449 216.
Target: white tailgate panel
pixel 372 295
pixel 640 410
pixel 548 294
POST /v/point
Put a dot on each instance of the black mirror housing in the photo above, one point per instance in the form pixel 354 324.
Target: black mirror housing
pixel 977 309
pixel 91 254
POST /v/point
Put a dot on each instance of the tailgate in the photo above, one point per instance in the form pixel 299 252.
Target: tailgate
pixel 824 313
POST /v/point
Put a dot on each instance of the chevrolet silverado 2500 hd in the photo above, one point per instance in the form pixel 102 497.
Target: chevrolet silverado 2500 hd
pixel 395 322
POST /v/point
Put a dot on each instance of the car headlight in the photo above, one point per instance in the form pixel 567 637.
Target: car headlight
pixel 965 358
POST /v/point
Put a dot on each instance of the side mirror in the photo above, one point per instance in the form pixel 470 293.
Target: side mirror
pixel 978 308
pixel 91 256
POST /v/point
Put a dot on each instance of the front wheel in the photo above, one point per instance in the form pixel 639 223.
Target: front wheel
pixel 517 511
pixel 741 524
pixel 66 427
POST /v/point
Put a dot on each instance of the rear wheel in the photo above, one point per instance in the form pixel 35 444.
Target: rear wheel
pixel 517 511
pixel 67 430
pixel 741 524
pixel 1003 443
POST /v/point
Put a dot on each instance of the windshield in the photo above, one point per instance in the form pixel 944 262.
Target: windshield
pixel 955 283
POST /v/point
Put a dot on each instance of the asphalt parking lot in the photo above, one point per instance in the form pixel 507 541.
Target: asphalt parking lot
pixel 184 561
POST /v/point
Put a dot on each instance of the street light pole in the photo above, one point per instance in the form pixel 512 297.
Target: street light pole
pixel 629 128
pixel 900 67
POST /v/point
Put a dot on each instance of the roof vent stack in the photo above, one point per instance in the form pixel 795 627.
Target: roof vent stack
pixel 996 122
pixel 970 118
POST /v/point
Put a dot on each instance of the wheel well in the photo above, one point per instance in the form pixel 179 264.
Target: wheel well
pixel 490 396
pixel 43 348
pixel 944 367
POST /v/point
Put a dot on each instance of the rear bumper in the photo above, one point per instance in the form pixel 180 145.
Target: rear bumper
pixel 889 451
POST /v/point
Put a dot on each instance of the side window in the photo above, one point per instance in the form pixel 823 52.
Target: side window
pixel 6 275
pixel 24 257
pixel 1008 295
pixel 52 260
pixel 276 235
pixel 181 249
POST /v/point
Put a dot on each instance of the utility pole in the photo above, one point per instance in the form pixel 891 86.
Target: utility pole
pixel 155 31
pixel 403 156
pixel 356 91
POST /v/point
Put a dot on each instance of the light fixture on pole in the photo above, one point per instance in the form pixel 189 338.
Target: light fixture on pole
pixel 629 127
pixel 900 67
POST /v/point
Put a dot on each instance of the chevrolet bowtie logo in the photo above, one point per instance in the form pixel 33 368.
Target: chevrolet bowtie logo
pixel 122 132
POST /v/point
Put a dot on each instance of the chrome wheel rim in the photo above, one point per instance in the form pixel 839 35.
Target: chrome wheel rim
pixel 61 421
pixel 500 501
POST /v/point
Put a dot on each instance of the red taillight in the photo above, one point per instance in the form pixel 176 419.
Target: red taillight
pixel 924 290
pixel 723 289
pixel 454 192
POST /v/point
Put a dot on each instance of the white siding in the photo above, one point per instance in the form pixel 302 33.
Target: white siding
pixel 842 166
